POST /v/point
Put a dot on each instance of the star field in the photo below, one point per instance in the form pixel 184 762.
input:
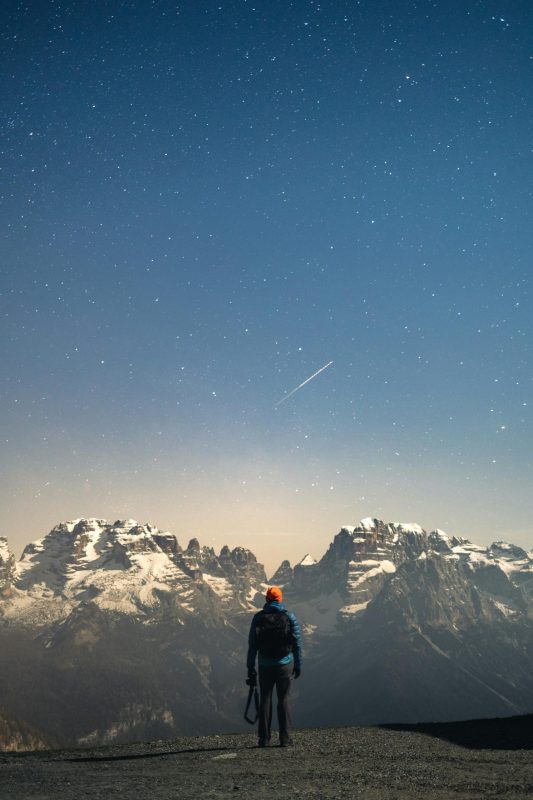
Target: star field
pixel 204 203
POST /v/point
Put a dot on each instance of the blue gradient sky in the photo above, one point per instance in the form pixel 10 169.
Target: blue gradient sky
pixel 205 202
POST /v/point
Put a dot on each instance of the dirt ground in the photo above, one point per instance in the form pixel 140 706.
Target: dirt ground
pixel 490 759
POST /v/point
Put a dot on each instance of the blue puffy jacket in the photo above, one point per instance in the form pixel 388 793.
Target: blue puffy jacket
pixel 296 638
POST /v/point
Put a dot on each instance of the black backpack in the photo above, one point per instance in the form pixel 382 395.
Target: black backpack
pixel 273 634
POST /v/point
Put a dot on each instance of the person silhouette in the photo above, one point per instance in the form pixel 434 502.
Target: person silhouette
pixel 275 639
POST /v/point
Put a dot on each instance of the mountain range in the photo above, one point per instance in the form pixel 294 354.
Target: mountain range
pixel 114 632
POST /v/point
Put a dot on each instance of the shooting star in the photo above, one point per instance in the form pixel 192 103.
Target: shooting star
pixel 310 378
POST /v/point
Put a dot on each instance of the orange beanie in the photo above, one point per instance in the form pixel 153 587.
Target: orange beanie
pixel 274 593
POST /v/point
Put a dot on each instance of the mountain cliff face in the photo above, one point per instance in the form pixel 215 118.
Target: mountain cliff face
pixel 7 568
pixel 125 568
pixel 115 632
pixel 427 626
pixel 362 560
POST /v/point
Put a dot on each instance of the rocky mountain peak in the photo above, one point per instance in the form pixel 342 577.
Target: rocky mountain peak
pixel 243 558
pixel 242 566
pixel 439 541
pixel 307 561
pixel 126 567
pixel 7 567
pixel 168 543
pixel 5 553
pixel 283 575
pixel 509 552
pixel 372 541
pixel 363 559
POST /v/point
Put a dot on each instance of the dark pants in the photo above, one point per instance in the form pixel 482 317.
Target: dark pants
pixel 280 677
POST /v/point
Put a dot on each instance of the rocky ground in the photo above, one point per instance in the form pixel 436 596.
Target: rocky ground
pixel 490 758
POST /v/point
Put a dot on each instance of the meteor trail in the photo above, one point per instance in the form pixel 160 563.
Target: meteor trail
pixel 310 378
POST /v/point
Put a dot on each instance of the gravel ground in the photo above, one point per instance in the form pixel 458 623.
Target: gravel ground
pixel 393 763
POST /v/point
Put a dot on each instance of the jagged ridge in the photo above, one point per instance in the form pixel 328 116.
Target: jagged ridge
pixel 122 567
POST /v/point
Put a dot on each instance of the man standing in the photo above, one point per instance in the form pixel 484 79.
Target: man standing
pixel 276 636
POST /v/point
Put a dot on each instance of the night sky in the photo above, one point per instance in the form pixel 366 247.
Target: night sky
pixel 203 203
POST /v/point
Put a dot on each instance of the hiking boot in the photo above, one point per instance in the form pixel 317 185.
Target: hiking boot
pixel 262 742
pixel 286 742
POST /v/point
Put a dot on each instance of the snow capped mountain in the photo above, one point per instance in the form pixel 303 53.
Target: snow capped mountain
pixel 417 625
pixel 7 567
pixel 307 561
pixel 134 569
pixel 134 628
pixel 362 559
pixel 124 567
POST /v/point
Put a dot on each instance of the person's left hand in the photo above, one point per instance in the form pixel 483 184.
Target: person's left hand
pixel 252 678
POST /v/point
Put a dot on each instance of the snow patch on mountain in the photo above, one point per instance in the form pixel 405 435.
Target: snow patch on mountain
pixel 220 586
pixel 5 553
pixel 408 527
pixel 353 609
pixel 506 610
pixel 362 571
pixel 307 561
